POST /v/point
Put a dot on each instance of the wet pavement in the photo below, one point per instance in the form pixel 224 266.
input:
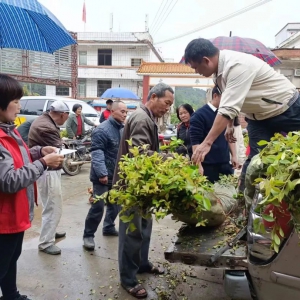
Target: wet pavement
pixel 80 275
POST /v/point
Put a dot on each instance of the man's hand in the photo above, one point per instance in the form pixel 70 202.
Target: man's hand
pixel 103 180
pixel 53 160
pixel 229 134
pixel 48 150
pixel 235 163
pixel 201 170
pixel 200 153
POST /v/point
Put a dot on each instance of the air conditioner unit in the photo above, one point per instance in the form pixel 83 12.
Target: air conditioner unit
pixel 297 72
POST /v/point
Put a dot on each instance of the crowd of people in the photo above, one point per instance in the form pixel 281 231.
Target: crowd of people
pixel 212 139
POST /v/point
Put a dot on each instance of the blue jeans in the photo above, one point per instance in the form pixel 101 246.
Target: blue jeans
pixel 265 130
pixel 95 213
pixel 213 171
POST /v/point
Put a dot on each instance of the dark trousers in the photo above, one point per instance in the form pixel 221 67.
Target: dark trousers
pixel 213 171
pixel 265 129
pixel 95 213
pixel 134 250
pixel 10 250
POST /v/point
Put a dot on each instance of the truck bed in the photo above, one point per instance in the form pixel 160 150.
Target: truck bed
pixel 197 245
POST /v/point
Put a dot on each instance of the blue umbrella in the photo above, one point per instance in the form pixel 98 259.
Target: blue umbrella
pixel 119 93
pixel 28 25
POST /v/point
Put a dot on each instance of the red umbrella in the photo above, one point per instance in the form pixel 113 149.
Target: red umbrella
pixel 245 45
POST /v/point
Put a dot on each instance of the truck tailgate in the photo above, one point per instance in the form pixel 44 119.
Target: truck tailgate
pixel 197 246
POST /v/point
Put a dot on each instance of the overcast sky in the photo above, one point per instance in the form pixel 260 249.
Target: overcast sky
pixel 261 23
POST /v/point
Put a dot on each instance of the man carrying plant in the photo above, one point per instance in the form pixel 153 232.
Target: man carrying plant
pixel 105 144
pixel 217 161
pixel 134 245
pixel 249 85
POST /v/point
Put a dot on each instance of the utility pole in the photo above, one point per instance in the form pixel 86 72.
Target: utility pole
pixel 147 23
pixel 111 22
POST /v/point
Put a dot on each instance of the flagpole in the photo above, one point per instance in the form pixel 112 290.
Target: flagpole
pixel 84 16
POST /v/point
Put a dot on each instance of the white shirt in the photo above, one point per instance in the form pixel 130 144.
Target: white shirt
pixel 244 80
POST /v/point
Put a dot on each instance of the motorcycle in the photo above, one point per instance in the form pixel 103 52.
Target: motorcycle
pixel 73 162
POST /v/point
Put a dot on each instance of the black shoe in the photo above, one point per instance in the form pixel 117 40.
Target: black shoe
pixel 113 233
pixel 59 235
pixel 22 297
pixel 19 297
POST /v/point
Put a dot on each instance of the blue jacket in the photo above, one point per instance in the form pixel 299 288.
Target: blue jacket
pixel 105 145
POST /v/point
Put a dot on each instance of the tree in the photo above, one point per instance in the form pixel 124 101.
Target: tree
pixel 195 97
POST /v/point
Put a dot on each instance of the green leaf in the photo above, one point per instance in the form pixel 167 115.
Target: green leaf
pixel 262 143
pixel 276 248
pixel 281 232
pixel 276 239
pixel 206 203
pixel 268 218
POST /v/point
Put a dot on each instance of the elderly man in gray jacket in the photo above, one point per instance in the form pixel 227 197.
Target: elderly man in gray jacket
pixel 141 128
pixel 105 144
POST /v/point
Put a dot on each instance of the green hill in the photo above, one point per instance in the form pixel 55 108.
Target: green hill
pixel 192 96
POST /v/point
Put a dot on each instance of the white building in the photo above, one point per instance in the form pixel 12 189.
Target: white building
pixel 288 36
pixel 108 60
pixel 288 51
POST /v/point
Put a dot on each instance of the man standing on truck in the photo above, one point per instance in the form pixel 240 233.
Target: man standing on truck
pixel 45 131
pixel 104 148
pixel 141 129
pixel 217 161
pixel 106 113
pixel 249 85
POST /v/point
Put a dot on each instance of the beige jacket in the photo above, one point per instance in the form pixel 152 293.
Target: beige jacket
pixel 248 85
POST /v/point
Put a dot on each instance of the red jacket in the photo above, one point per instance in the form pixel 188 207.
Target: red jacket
pixel 14 208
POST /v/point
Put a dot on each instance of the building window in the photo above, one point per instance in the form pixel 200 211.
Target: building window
pixel 82 58
pixel 62 91
pixel 104 57
pixel 62 56
pixel 102 86
pixel 136 62
pixel 82 88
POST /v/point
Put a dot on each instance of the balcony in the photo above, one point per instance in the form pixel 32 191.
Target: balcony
pixel 108 72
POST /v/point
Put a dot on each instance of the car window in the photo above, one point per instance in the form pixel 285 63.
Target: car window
pixel 34 107
pixel 49 104
pixel 23 104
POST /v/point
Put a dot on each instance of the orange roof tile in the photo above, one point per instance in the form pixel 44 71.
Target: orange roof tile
pixel 164 68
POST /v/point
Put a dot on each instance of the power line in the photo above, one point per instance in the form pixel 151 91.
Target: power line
pixel 157 12
pixel 162 11
pixel 241 11
pixel 163 20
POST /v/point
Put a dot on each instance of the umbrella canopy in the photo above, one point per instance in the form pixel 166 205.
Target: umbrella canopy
pixel 119 93
pixel 28 25
pixel 245 45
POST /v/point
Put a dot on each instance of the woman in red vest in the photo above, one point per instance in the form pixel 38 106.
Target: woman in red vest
pixel 19 169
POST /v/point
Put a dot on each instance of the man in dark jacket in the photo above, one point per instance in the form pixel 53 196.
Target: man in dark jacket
pixel 24 128
pixel 45 131
pixel 141 128
pixel 106 113
pixel 105 144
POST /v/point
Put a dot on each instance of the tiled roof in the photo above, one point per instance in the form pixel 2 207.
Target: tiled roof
pixel 164 68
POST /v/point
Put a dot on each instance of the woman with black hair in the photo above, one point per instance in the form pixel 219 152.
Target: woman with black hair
pixel 184 113
pixel 20 168
pixel 75 123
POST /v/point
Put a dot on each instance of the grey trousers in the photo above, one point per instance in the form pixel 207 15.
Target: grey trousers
pixel 134 250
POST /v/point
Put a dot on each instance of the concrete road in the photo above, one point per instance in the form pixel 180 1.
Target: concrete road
pixel 78 274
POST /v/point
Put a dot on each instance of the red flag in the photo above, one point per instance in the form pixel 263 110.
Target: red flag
pixel 84 13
